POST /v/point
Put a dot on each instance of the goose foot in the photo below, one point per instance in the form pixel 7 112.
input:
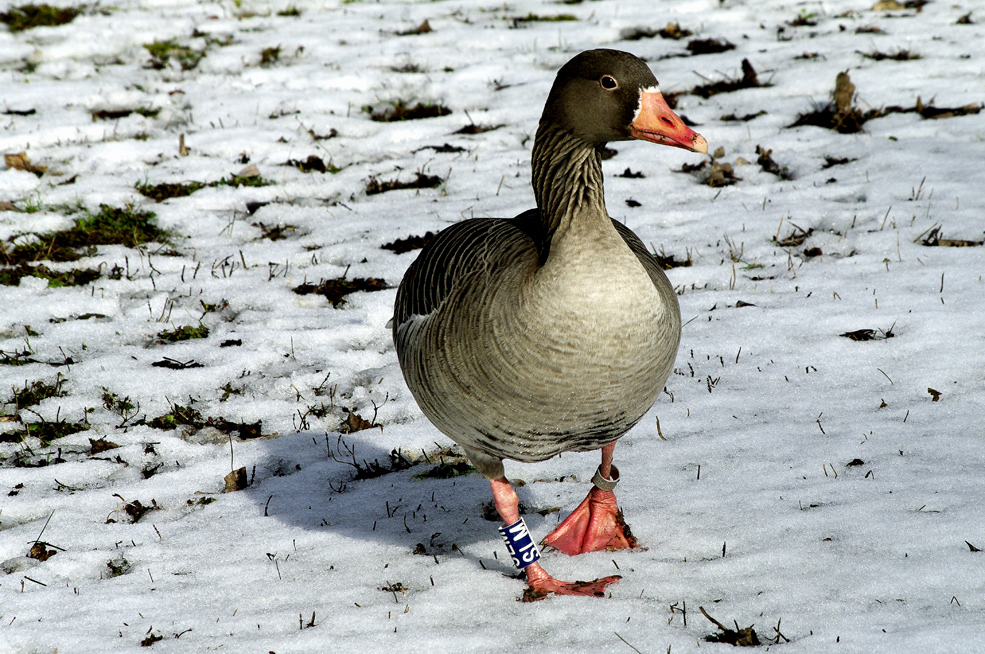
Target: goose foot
pixel 597 524
pixel 540 585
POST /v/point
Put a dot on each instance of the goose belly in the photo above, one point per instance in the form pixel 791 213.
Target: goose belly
pixel 570 362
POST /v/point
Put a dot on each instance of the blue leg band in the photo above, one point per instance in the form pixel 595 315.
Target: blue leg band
pixel 521 546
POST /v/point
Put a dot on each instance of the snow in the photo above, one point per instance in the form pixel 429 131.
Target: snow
pixel 748 508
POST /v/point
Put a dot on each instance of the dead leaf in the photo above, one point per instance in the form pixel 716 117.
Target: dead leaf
pixel 40 552
pixel 235 480
pixel 354 422
pixel 936 395
pixel 21 161
pixel 98 445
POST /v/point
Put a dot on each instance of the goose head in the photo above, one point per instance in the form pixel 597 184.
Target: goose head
pixel 608 95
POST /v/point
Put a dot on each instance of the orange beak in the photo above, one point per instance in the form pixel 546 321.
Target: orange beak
pixel 657 123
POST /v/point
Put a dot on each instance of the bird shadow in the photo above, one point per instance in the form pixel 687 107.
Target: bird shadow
pixel 354 486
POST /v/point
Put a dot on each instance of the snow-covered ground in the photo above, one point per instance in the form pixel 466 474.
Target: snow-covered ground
pixel 807 481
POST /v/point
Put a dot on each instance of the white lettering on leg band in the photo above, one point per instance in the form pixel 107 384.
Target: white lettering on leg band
pixel 522 548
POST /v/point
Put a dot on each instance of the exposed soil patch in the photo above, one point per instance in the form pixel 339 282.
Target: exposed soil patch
pixel 119 114
pixel 375 186
pixel 748 80
pixel 445 148
pixel 935 238
pixel 313 164
pixel 275 232
pixel 423 28
pixel 842 116
pixel 402 245
pixel 869 334
pixel 743 119
pixel 709 46
pixel 472 128
pixel 713 172
pixel 671 31
pixel 830 162
pixel 744 637
pixel 795 238
pixel 766 162
pixel 335 290
pixel 668 261
pixel 400 111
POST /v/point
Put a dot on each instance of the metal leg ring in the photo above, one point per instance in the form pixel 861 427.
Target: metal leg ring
pixel 606 484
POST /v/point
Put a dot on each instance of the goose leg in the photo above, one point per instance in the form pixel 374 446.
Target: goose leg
pixel 597 523
pixel 539 583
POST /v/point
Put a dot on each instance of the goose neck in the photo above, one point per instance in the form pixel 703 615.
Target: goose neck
pixel 567 179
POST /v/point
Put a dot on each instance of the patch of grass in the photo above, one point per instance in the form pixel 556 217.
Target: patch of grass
pixel 47 432
pixel 804 19
pixel 446 470
pixel 236 181
pixel 900 54
pixel 110 226
pixel 269 56
pixel 291 11
pixel 400 111
pixel 118 567
pixel 30 16
pixel 162 52
pixel 191 417
pixel 36 392
pixel 335 290
pixel 17 358
pixel 407 68
pixel 11 276
pixel 121 406
pixel 537 18
pixel 168 190
pixel 117 114
pixel 185 333
pixel 375 186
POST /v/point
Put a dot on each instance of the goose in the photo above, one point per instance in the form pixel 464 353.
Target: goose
pixel 556 330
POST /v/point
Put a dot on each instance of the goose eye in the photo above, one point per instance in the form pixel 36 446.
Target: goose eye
pixel 608 82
